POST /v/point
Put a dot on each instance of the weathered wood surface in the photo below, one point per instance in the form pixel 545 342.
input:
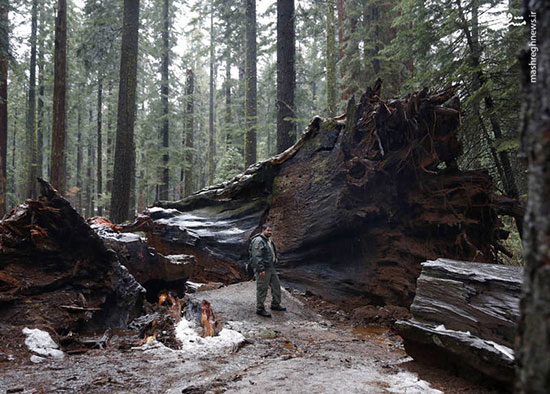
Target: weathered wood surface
pixel 155 272
pixel 56 272
pixel 464 317
pixel 357 204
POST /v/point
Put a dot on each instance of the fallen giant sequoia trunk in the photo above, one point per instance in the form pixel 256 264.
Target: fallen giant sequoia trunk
pixel 56 272
pixel 464 318
pixel 357 204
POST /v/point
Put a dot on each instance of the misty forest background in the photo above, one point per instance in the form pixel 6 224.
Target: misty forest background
pixel 212 98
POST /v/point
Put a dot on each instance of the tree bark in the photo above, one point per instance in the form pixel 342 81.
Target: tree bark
pixel 188 130
pixel 90 211
pixel 211 131
pixel 4 50
pixel 534 327
pixel 59 95
pixel 31 107
pixel 228 62
pixel 124 165
pixel 99 180
pixel 331 60
pixel 164 92
pixel 79 160
pixel 286 75
pixel 109 180
pixel 40 104
pixel 251 105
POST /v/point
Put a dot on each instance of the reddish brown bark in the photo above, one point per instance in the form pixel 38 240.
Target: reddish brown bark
pixel 59 96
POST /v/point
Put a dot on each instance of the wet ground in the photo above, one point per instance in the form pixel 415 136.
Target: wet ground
pixel 297 351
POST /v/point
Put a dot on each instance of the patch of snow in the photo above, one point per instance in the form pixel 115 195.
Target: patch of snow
pixel 41 343
pixel 442 328
pixel 159 209
pixel 503 349
pixel 37 359
pixel 193 343
pixel 408 382
pixel 178 258
pixel 194 285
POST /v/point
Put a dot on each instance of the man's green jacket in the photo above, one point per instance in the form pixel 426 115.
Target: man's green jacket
pixel 262 256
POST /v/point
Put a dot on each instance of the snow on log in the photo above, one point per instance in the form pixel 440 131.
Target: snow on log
pixel 55 272
pixel 357 204
pixel 464 318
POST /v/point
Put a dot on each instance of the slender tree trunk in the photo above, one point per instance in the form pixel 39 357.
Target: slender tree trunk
pixel 4 48
pixel 331 60
pixel 164 92
pixel 341 17
pixel 89 169
pixel 79 160
pixel 40 105
pixel 31 108
pixel 59 94
pixel 109 180
pixel 371 20
pixel 534 329
pixel 251 106
pixel 211 131
pixel 189 115
pixel 228 114
pixel 99 146
pixel 124 166
pixel 286 75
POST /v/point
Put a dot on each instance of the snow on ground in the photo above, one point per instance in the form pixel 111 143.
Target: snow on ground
pixel 41 343
pixel 193 343
pixel 408 382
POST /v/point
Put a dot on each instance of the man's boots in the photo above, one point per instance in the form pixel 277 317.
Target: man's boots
pixel 263 313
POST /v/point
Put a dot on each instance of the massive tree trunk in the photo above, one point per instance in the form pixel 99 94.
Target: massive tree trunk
pixel 188 133
pixel 357 204
pixel 164 92
pixel 125 158
pixel 59 95
pixel 286 75
pixel 534 328
pixel 4 50
pixel 31 108
pixel 250 85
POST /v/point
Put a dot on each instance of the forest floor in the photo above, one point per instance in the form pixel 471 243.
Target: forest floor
pixel 297 351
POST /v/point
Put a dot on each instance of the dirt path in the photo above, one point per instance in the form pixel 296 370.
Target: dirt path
pixel 296 351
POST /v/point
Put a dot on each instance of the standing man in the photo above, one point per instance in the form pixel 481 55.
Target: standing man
pixel 263 256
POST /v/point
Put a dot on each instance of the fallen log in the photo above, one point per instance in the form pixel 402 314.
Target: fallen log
pixel 464 318
pixel 155 272
pixel 56 272
pixel 357 204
